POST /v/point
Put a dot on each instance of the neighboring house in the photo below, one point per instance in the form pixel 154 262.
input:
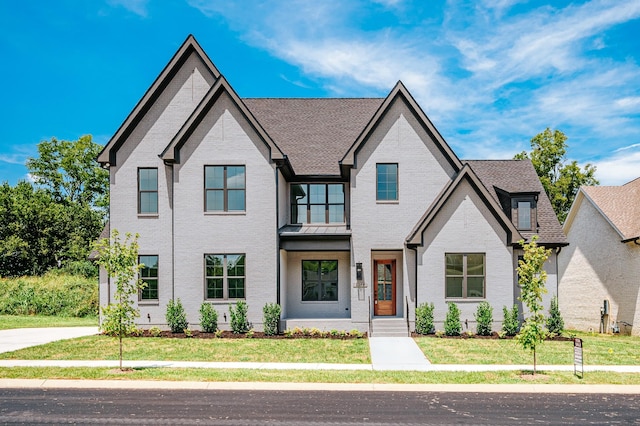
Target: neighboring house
pixel 346 212
pixel 603 260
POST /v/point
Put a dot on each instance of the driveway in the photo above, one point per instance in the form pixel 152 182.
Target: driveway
pixel 18 338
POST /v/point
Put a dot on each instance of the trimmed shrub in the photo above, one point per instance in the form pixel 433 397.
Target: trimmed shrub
pixel 208 318
pixel 452 324
pixel 271 318
pixel 555 323
pixel 239 323
pixel 484 319
pixel 176 316
pixel 424 318
pixel 510 323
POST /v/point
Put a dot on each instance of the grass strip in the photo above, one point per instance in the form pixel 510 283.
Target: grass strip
pixel 304 376
pixel 38 321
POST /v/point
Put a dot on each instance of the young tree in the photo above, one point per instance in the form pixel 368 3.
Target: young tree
pixel 120 260
pixel 561 180
pixel 532 278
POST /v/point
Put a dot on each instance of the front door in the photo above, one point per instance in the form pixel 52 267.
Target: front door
pixel 384 299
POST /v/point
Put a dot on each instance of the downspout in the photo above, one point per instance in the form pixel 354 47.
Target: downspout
pixel 558 250
pixel 277 236
pixel 635 241
pixel 173 238
pixel 415 274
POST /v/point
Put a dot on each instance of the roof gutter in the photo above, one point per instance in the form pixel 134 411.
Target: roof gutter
pixel 635 240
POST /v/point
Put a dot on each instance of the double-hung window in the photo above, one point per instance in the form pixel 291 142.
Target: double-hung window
pixel 319 280
pixel 147 190
pixel 224 276
pixel 224 188
pixel 387 181
pixel 317 203
pixel 149 275
pixel 465 275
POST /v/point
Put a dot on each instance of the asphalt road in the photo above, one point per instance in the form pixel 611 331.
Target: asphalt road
pixel 226 407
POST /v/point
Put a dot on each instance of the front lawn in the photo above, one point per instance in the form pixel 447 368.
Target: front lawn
pixel 351 351
pixel 598 349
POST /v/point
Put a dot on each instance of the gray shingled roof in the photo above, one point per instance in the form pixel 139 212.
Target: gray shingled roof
pixel 314 133
pixel 515 176
pixel 621 204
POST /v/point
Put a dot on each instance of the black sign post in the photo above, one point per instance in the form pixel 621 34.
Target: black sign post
pixel 577 357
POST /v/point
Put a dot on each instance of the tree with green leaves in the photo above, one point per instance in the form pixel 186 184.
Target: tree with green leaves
pixel 69 171
pixel 120 261
pixel 532 278
pixel 560 179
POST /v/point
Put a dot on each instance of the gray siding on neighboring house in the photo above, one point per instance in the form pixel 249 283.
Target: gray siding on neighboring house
pixel 465 225
pixel 598 266
pixel 224 138
pixel 141 149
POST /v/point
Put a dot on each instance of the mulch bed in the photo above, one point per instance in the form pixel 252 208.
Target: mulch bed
pixel 493 335
pixel 231 335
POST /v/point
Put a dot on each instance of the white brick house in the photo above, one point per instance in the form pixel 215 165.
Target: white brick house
pixel 603 260
pixel 343 211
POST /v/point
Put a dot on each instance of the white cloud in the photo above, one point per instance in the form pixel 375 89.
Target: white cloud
pixel 620 168
pixel 13 158
pixel 491 75
pixel 138 7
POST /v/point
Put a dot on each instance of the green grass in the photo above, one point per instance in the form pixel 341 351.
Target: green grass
pixel 54 293
pixel 597 350
pixel 37 321
pixel 354 351
pixel 304 376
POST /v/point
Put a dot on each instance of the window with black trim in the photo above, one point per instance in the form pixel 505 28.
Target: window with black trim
pixel 317 203
pixel 524 215
pixel 465 275
pixel 387 182
pixel 224 188
pixel 224 276
pixel 147 190
pixel 319 280
pixel 149 275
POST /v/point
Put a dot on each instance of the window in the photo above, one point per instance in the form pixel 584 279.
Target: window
pixel 149 275
pixel 224 276
pixel 386 182
pixel 319 280
pixel 224 188
pixel 524 215
pixel 148 190
pixel 317 203
pixel 464 275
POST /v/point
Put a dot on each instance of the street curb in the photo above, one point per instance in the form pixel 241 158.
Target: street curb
pixel 352 387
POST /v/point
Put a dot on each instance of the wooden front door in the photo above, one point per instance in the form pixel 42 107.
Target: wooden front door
pixel 384 298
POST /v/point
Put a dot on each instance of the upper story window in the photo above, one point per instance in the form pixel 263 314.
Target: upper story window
pixel 387 182
pixel 317 203
pixel 149 275
pixel 523 212
pixel 224 188
pixel 148 190
pixel 464 275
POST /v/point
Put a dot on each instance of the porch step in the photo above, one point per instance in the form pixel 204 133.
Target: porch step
pixel 389 327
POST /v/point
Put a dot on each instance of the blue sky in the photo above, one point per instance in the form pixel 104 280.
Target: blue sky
pixel 489 74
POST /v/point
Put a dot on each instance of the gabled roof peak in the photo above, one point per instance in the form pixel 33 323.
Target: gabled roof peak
pixel 189 46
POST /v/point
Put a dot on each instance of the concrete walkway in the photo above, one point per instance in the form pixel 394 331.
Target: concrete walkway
pixel 19 338
pixel 396 353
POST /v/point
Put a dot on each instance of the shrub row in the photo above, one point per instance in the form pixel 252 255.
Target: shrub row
pixel 54 293
pixel 484 319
